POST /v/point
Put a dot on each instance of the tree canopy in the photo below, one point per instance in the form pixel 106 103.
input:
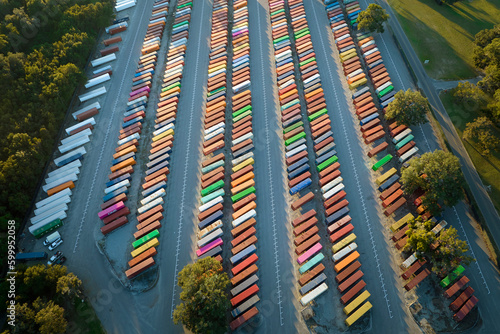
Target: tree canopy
pixel 481 131
pixel 372 19
pixel 44 46
pixel 439 175
pixel 445 250
pixel 204 299
pixel 42 298
pixel 470 96
pixel 408 108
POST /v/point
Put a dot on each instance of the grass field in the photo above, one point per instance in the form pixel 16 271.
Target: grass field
pixel 444 34
pixel 487 167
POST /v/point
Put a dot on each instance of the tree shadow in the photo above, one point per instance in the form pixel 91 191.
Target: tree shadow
pixel 482 156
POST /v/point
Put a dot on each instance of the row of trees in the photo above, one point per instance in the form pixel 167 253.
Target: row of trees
pixel 42 298
pixel 483 98
pixel 44 45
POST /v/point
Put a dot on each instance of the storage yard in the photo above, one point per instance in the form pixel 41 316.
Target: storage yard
pixel 252 132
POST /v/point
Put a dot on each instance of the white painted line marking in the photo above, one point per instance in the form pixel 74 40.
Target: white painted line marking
pixel 186 163
pixel 360 191
pixel 111 119
pixel 471 250
pixel 271 189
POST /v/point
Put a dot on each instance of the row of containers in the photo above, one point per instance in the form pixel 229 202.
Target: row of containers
pixel 362 65
pixel 150 211
pixel 338 221
pixel 50 212
pixel 307 241
pixel 114 211
pixel 243 258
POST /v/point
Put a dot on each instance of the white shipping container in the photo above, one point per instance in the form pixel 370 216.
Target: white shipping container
pixel 48 213
pixel 211 203
pixel 71 177
pixel 313 294
pixel 90 120
pixel 124 183
pixel 61 200
pixel 159 193
pixel 74 170
pixel 103 60
pixel 129 138
pixel 331 184
pixel 163 129
pixel 344 251
pixel 295 151
pixel 214 128
pixel 74 144
pixel 401 135
pixel 102 69
pixel 408 154
pixel 96 81
pixel 242 138
pixel 151 204
pixel 50 199
pixel 92 94
pixel 333 191
pixel 240 87
pixel 240 220
pixel 213 134
pixel 384 86
pixel 76 136
pixel 73 164
pixel 124 6
pixel 409 261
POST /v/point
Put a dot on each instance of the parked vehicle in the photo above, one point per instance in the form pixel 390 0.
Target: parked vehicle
pixel 31 256
pixel 55 257
pixel 55 244
pixel 60 260
pixel 51 238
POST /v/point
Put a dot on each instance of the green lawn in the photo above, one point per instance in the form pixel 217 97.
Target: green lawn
pixel 487 167
pixel 444 34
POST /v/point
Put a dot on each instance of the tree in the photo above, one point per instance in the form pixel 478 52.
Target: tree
pixel 420 236
pixel 494 107
pixel 470 96
pixel 25 320
pixel 69 285
pixel 50 317
pixel 204 300
pixel 481 40
pixel 372 18
pixel 409 108
pixel 491 81
pixel 482 131
pixel 439 175
pixel 451 251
